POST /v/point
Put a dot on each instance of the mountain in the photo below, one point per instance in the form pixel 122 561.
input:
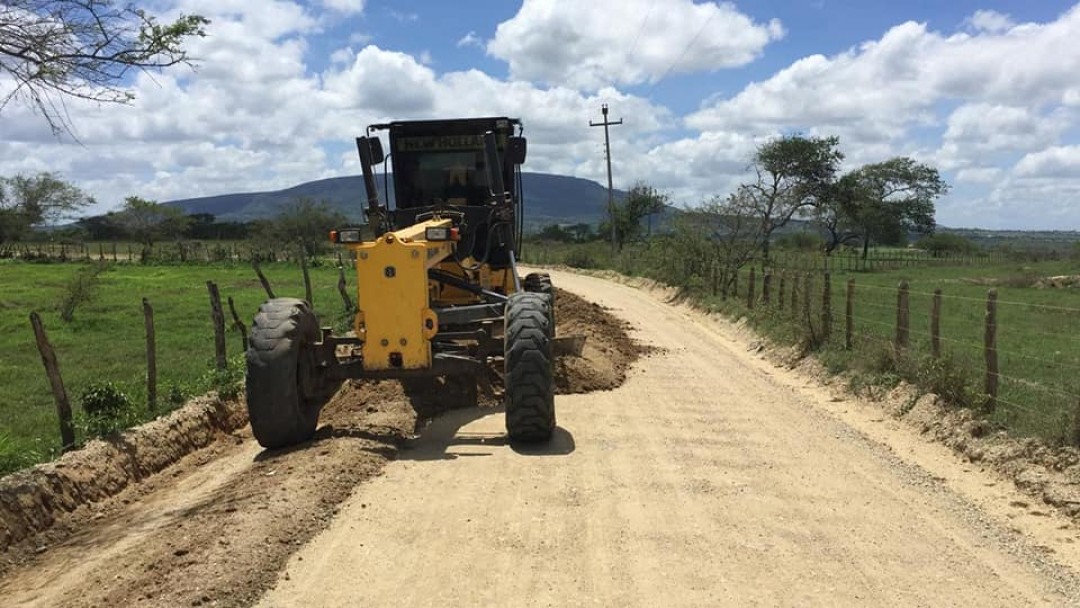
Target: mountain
pixel 549 199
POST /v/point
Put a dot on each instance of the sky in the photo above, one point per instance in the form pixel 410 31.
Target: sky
pixel 987 91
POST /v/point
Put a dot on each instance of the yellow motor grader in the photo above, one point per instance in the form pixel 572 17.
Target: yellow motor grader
pixel 439 293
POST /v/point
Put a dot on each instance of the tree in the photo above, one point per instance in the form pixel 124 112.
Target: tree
pixel 149 222
pixel 729 230
pixel 892 198
pixel 29 202
pixel 942 244
pixel 792 174
pixel 305 223
pixel 836 212
pixel 86 49
pixel 642 200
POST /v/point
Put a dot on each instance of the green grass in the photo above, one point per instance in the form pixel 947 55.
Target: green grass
pixel 106 339
pixel 1038 330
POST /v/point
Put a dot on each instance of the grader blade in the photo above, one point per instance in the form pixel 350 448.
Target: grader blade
pixel 568 346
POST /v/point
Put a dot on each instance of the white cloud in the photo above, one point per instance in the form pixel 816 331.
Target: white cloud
pixel 345 6
pixel 581 44
pixel 883 88
pixel 989 21
pixel 1056 162
pixel 978 175
pixel 402 17
pixel 470 39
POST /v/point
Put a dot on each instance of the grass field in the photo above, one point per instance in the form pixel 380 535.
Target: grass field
pixel 106 339
pixel 1038 328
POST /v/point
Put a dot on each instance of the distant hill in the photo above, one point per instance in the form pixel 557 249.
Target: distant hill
pixel 549 199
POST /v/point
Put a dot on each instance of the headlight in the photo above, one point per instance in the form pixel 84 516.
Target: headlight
pixel 437 233
pixel 345 236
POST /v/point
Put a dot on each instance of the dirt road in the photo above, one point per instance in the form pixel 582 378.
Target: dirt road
pixel 709 478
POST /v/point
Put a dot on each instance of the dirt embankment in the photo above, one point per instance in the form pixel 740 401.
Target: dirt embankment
pixel 188 510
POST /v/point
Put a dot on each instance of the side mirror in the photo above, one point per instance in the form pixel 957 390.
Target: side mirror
pixel 515 150
pixel 374 147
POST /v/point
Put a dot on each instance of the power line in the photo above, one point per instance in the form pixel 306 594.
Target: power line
pixel 686 50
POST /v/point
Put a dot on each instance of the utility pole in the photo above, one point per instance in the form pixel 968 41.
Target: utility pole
pixel 607 153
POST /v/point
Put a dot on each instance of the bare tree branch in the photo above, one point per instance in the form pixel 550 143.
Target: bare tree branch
pixel 84 49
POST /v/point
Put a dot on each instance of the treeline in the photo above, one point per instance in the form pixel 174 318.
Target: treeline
pixel 33 209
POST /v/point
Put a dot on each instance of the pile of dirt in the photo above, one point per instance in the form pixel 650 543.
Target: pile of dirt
pixel 31 500
pixel 1066 281
pixel 608 353
pixel 188 510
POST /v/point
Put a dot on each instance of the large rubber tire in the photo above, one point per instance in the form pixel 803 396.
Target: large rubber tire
pixel 529 376
pixel 540 282
pixel 279 352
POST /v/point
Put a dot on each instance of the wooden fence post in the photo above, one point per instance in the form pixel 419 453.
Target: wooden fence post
pixel 935 325
pixel 766 288
pixel 750 289
pixel 262 278
pixel 52 370
pixel 342 287
pixel 903 316
pixel 849 315
pixel 723 283
pixel 219 325
pixel 735 284
pixel 238 324
pixel 780 292
pixel 151 356
pixel 826 306
pixel 808 289
pixel 307 275
pixel 991 350
pixel 795 296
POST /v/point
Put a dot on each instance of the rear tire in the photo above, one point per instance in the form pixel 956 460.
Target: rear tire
pixel 279 355
pixel 530 386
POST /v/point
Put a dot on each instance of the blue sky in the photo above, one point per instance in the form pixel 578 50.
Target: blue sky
pixel 985 90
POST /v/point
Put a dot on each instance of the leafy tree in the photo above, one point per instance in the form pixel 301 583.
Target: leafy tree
pixel 305 223
pixel 945 243
pixel 641 201
pixel 556 233
pixel 728 229
pixel 29 202
pixel 149 222
pixel 792 174
pixel 53 49
pixel 892 198
pixel 102 227
pixel 836 211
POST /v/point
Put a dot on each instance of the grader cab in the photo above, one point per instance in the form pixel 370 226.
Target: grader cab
pixel 439 294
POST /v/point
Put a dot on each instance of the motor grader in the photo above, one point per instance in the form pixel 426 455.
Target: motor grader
pixel 438 291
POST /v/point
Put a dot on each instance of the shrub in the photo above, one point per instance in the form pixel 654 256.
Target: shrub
pixel 106 409
pixel 227 382
pixel 79 290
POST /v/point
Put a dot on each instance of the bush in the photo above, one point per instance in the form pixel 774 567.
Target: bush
pixel 79 290
pixel 227 382
pixel 945 243
pixel 801 241
pixel 579 258
pixel 105 409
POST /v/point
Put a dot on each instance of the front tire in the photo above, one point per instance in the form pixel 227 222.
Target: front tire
pixel 540 282
pixel 279 357
pixel 530 386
